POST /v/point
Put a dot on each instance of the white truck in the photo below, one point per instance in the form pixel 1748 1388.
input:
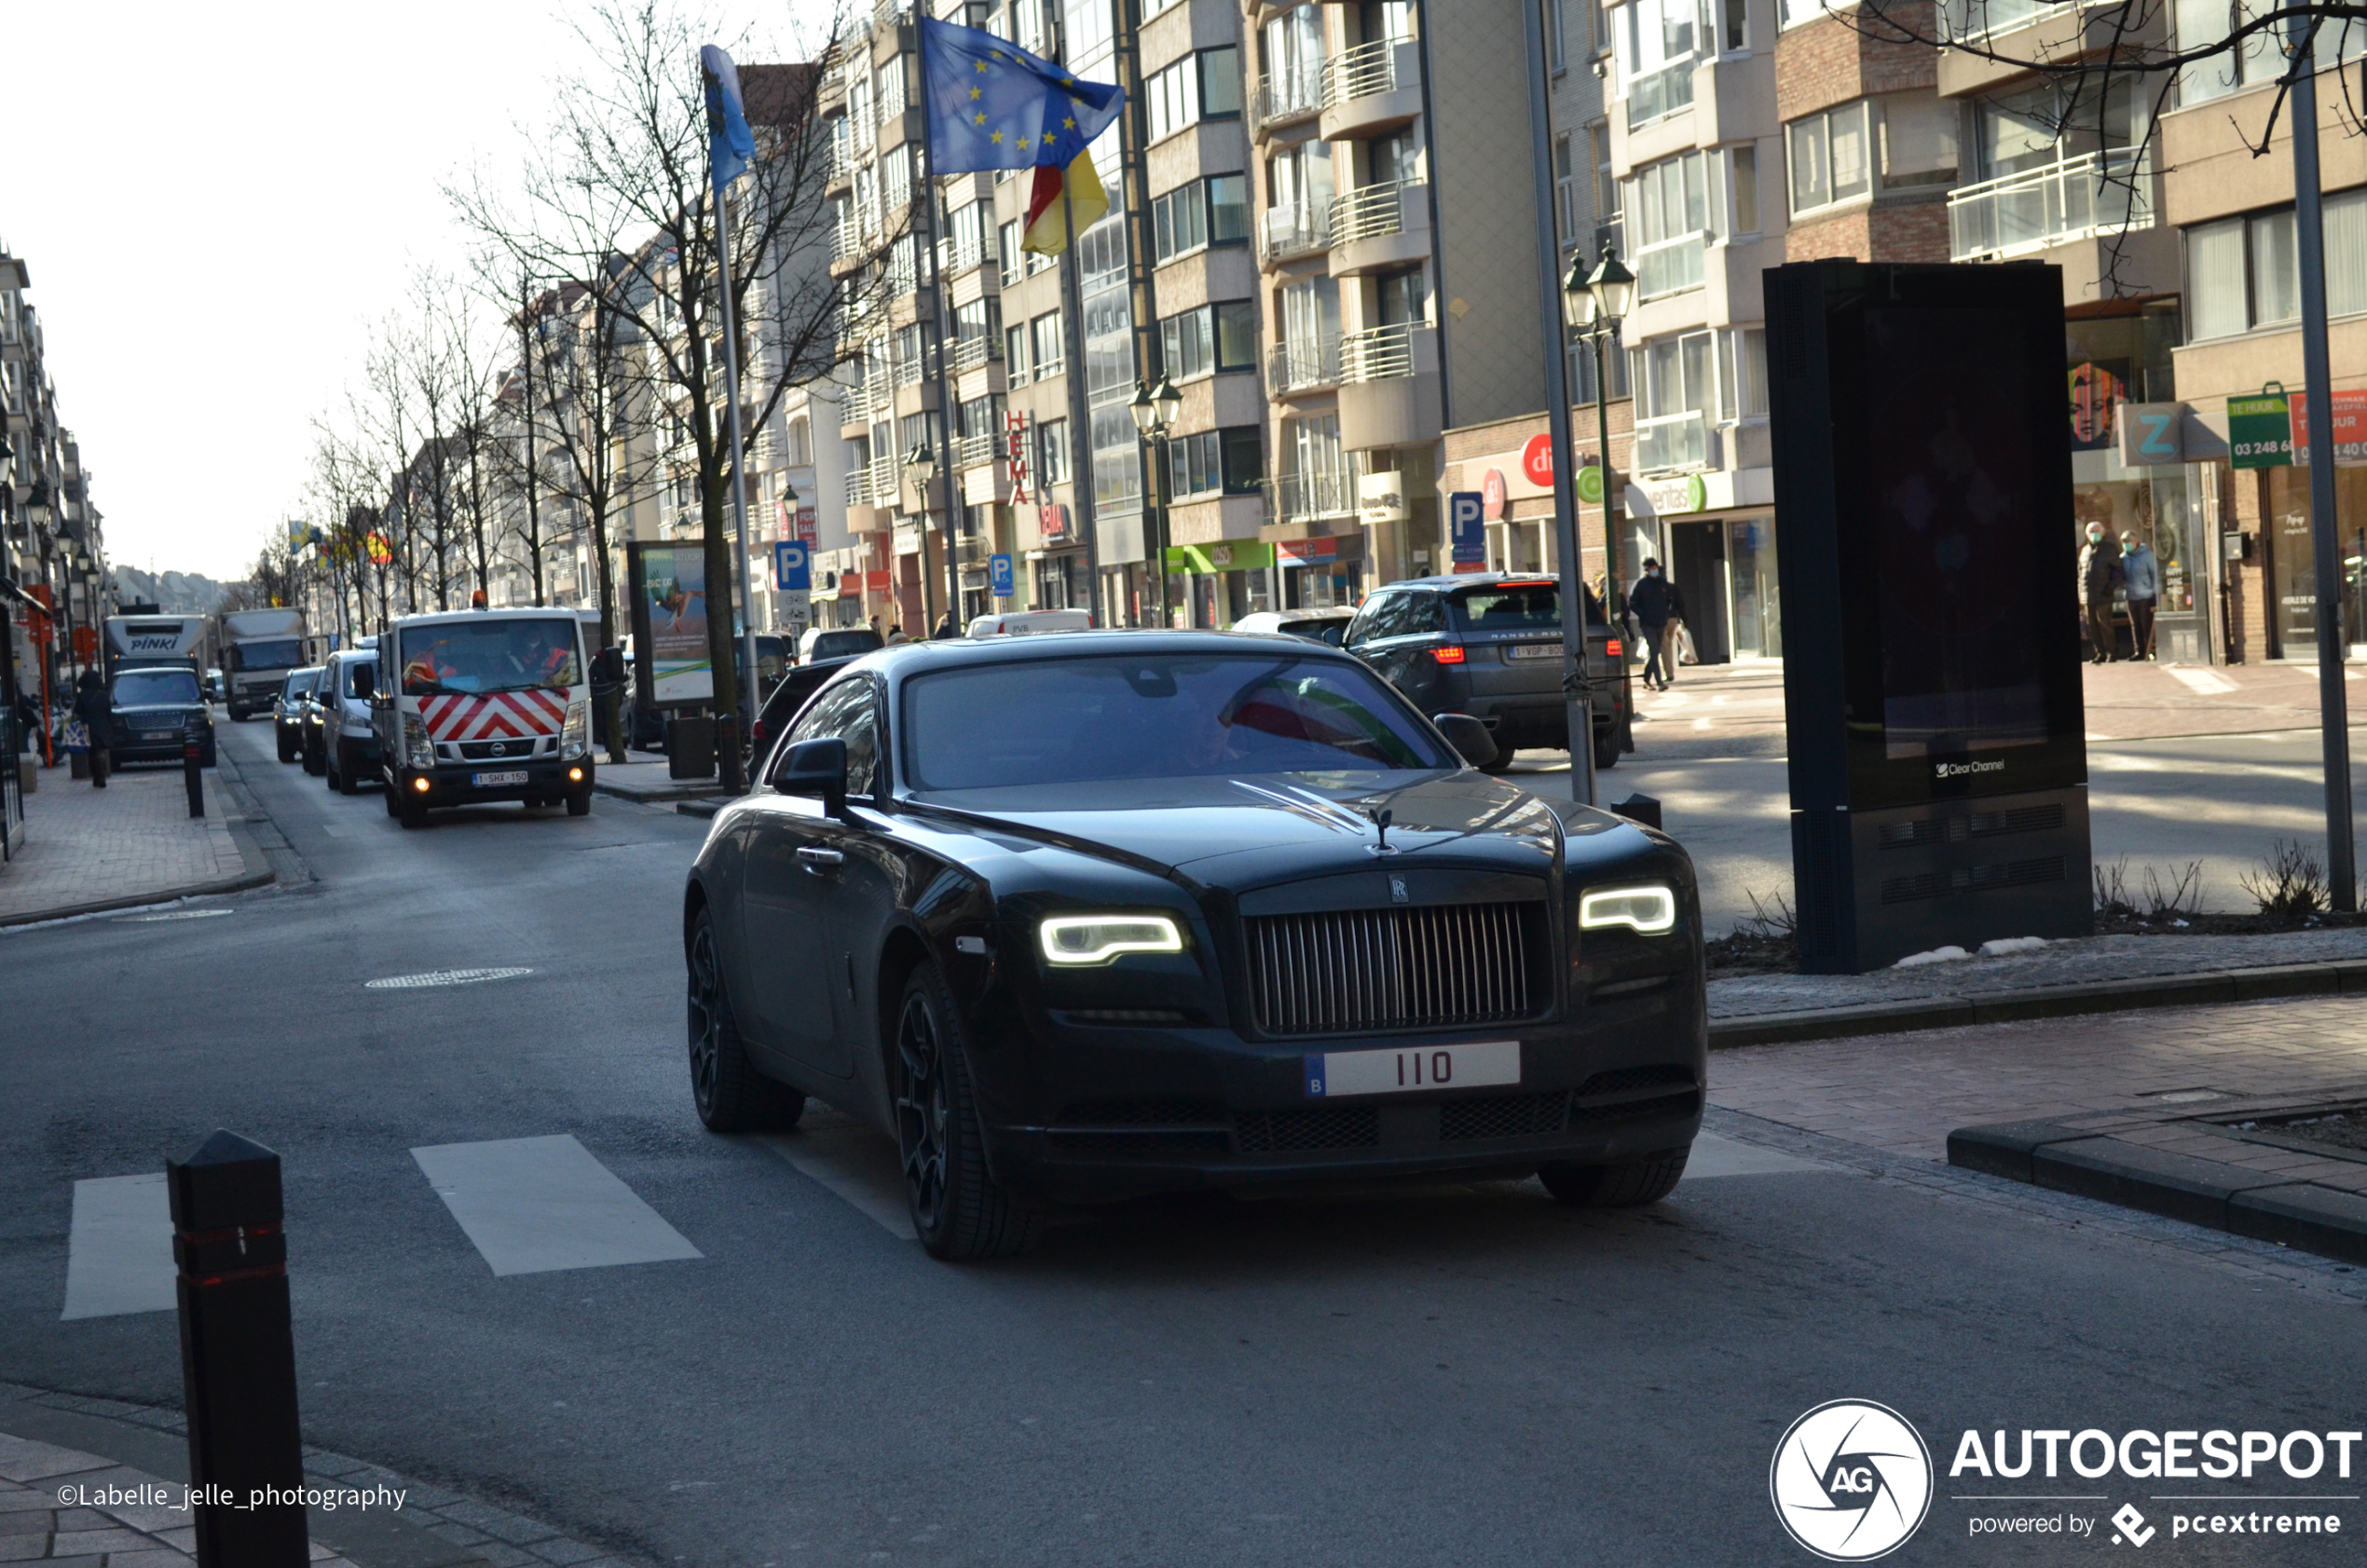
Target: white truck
pixel 256 648
pixel 480 705
pixel 150 641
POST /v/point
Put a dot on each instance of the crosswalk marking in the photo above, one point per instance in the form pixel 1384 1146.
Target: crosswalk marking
pixel 536 1204
pixel 119 1249
pixel 2206 683
pixel 1715 1156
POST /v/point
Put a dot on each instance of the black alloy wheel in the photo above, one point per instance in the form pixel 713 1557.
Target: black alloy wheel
pixel 1606 751
pixel 730 1094
pixel 280 740
pixel 345 783
pixel 1631 1185
pixel 580 801
pixel 957 1209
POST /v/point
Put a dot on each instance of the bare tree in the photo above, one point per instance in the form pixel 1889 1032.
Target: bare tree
pixel 617 203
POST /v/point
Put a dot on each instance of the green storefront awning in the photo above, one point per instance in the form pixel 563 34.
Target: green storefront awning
pixel 1233 555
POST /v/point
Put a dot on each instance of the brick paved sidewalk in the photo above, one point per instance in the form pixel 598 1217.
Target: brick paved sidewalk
pixel 132 842
pixel 34 1528
pixel 1905 1093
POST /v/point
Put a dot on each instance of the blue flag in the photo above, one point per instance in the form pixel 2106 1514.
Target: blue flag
pixel 993 105
pixel 730 144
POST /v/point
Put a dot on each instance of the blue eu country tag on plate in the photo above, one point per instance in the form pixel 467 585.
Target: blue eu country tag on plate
pixel 1315 1076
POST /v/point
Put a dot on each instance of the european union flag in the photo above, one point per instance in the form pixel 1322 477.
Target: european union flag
pixel 730 144
pixel 993 105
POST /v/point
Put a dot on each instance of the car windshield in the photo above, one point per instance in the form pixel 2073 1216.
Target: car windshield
pixel 299 683
pixel 838 645
pixel 1517 607
pixel 1153 717
pixel 156 689
pixel 478 656
pixel 278 654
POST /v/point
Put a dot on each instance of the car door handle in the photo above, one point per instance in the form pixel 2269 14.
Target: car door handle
pixel 819 860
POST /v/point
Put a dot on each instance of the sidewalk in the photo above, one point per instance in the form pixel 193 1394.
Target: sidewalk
pixel 647 782
pixel 132 843
pixel 140 1531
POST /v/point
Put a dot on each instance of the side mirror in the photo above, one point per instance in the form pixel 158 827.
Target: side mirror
pixel 815 768
pixel 1468 736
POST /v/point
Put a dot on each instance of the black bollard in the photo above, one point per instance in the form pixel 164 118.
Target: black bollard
pixel 238 1356
pixel 193 773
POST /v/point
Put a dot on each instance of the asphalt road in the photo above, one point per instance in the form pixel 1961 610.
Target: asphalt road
pixel 1467 1375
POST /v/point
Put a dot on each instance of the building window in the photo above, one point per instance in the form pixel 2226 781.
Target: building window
pixel 2201 23
pixel 1744 163
pixel 1670 207
pixel 1201 87
pixel 1052 452
pixel 1044 345
pixel 1010 253
pixel 1828 157
pixel 1556 30
pixel 1659 54
pixel 2244 273
pixel 1566 211
pixel 1919 141
pixel 1015 360
pixel 1215 462
pixel 1211 211
pixel 1214 337
pixel 1742 373
pixel 1738 26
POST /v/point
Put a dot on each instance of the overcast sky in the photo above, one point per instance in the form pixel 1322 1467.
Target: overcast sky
pixel 216 201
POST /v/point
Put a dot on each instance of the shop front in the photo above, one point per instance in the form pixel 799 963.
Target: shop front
pixel 1715 533
pixel 2292 566
pixel 1222 582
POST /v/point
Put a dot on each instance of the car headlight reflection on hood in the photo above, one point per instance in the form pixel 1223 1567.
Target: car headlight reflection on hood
pixel 1082 939
pixel 1651 911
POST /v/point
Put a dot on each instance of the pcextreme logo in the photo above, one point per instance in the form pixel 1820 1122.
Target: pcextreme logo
pixel 1850 1480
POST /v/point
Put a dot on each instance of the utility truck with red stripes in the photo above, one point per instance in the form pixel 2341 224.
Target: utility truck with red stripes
pixel 479 705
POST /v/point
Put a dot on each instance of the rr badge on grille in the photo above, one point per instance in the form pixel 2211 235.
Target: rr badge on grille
pixel 1397 890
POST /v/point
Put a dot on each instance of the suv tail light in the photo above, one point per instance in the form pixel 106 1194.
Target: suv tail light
pixel 1613 649
pixel 1451 654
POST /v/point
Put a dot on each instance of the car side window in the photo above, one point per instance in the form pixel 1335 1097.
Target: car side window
pixel 1374 621
pixel 847 711
pixel 1423 613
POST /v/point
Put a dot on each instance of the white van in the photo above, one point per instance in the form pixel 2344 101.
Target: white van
pixel 1020 623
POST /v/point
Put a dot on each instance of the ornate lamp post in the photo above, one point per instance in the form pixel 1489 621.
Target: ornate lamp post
pixel 1155 410
pixel 919 467
pixel 1597 303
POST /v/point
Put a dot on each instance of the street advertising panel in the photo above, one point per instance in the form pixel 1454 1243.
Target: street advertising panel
pixel 671 666
pixel 1937 737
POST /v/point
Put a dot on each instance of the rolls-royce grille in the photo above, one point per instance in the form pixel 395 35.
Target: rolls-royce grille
pixel 1330 1126
pixel 1364 969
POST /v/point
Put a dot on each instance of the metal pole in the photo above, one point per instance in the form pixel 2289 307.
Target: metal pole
pixel 941 310
pixel 1577 694
pixel 1614 574
pixel 1080 417
pixel 2341 870
pixel 739 477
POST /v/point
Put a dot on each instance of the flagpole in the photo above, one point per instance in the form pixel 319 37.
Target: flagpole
pixel 941 307
pixel 739 477
pixel 1080 432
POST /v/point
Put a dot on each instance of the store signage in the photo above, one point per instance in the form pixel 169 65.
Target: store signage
pixel 2260 431
pixel 1537 460
pixel 1015 449
pixel 1466 527
pixel 2152 434
pixel 2350 429
pixel 1231 555
pixel 1492 495
pixel 1307 552
pixel 809 529
pixel 1684 493
pixel 1590 484
pixel 1052 520
pixel 1380 498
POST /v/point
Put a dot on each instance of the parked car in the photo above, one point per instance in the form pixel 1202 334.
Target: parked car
pixel 1326 624
pixel 211 686
pixel 351 754
pixel 1124 912
pixel 1020 623
pixel 782 704
pixel 837 641
pixel 1490 645
pixel 151 712
pixel 311 727
pixel 287 712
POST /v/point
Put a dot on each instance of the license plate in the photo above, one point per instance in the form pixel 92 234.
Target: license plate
pixel 1533 650
pixel 495 781
pixel 159 734
pixel 1334 1073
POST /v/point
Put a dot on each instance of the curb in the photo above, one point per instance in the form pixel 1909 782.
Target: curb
pixel 2337 978
pixel 2220 1197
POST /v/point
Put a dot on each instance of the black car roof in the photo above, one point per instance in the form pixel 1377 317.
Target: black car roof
pixel 905 659
pixel 1478 579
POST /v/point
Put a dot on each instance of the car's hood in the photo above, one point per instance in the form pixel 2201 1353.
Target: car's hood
pixel 1278 827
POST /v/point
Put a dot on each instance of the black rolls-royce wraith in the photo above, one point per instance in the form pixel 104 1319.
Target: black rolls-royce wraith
pixel 1075 918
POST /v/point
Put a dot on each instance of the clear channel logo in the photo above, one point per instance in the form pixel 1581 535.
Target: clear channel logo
pixel 1850 1480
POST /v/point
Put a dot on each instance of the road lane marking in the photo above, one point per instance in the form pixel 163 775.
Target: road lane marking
pixel 1714 1156
pixel 537 1205
pixel 119 1250
pixel 442 977
pixel 174 915
pixel 854 1162
pixel 2206 683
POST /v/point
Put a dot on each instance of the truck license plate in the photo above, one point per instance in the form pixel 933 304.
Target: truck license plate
pixel 1533 650
pixel 1334 1074
pixel 495 781
pixel 158 734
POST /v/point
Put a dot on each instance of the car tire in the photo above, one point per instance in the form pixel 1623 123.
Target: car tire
pixel 281 742
pixel 579 803
pixel 1500 764
pixel 314 763
pixel 1629 1185
pixel 1606 751
pixel 413 814
pixel 958 1211
pixel 393 799
pixel 726 1089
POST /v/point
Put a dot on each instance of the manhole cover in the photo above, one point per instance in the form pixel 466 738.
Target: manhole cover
pixel 443 978
pixel 174 915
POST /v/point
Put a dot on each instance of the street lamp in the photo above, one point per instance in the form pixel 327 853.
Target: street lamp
pixel 1597 303
pixel 920 466
pixel 1155 410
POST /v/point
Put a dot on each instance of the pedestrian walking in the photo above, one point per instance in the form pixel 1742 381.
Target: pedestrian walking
pixel 90 707
pixel 2140 572
pixel 944 627
pixel 2099 574
pixel 1658 606
pixel 895 634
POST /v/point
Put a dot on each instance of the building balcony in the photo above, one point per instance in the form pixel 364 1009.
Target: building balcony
pixel 972 353
pixel 956 257
pixel 1372 89
pixel 1671 266
pixel 1293 231
pixel 1659 94
pixel 2078 199
pixel 1301 497
pixel 977 451
pixel 1379 227
pixel 1969 20
pixel 1294 369
pixel 1285 98
pixel 1673 443
pixel 1390 391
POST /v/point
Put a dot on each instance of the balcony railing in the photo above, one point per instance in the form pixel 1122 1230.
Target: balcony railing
pixel 1288 95
pixel 1671 266
pixel 1381 354
pixel 1672 442
pixel 1362 72
pixel 2100 192
pixel 956 256
pixel 1299 497
pixel 1961 21
pixel 1660 94
pixel 1370 213
pixel 978 452
pixel 971 352
pixel 886 475
pixel 859 488
pixel 1298 367
pixel 1294 230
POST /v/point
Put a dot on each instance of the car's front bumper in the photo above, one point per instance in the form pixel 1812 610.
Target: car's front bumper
pixel 450 785
pixel 1086 1112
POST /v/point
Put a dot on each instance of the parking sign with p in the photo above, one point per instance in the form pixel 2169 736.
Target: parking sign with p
pixel 1466 526
pixel 792 566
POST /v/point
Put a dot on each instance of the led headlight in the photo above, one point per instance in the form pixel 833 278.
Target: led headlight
pixel 575 734
pixel 1651 910
pixel 415 745
pixel 1078 939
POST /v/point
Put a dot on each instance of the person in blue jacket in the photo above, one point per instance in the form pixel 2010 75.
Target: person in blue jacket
pixel 2141 573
